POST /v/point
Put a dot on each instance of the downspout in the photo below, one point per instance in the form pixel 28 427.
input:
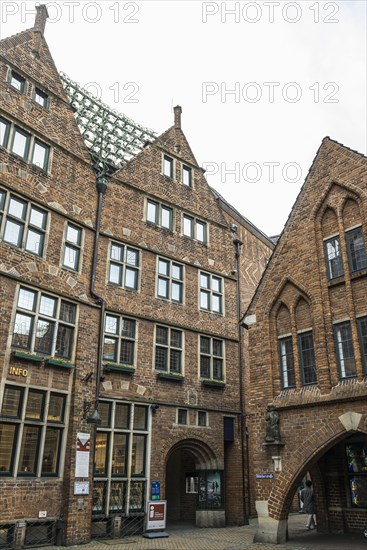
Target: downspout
pixel 238 243
pixel 94 418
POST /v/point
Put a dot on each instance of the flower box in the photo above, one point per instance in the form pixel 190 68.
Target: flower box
pixel 214 383
pixel 55 362
pixel 119 367
pixel 27 356
pixel 170 376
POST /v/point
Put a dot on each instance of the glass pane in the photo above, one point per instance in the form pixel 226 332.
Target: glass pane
pixel 131 278
pixel 40 154
pixel 182 416
pixel 204 300
pixel 204 280
pixel 177 292
pixel 44 336
pixel 100 457
pixel 356 249
pixel 73 234
pixel 362 324
pixel 20 144
pixel 35 405
pixel 152 212
pixel 111 325
pixel 358 491
pixel 118 496
pixel 334 258
pixel 47 306
pixel 127 352
pixel 204 366
pixel 204 344
pixel 119 453
pixel 110 349
pixel 217 369
pixel 28 450
pixel 128 328
pixel 187 228
pixel 40 98
pixel 38 218
pixel 132 256
pixel 175 361
pixel 138 455
pixel 177 272
pixel 140 417
pixel 34 242
pixel 163 288
pixel 51 451
pixel 186 175
pixel 166 217
pixel 2 193
pixel 200 231
pixel 105 413
pixel 11 402
pixel 26 299
pixel 56 408
pixel 162 335
pixel 115 274
pixel 71 257
pixel 64 341
pixel 345 348
pixel 13 233
pixel 217 347
pixel 287 362
pixel 22 331
pixel 216 284
pixel 17 208
pixel 67 312
pixel 161 358
pixel 122 416
pixel 17 81
pixel 116 252
pixel 7 444
pixel 4 126
pixel 217 303
pixel 176 338
pixel 163 267
pixel 168 167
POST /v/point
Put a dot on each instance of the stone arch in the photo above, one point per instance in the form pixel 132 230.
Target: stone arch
pixel 205 457
pixel 296 290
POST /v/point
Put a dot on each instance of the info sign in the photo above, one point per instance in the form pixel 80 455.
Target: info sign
pixel 156 516
pixel 156 490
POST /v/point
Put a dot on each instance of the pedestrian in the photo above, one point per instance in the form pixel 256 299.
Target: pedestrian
pixel 308 504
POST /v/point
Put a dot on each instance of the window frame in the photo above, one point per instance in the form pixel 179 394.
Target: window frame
pixel 123 265
pixel 194 222
pixel 6 134
pixel 212 357
pixel 15 76
pixel 169 347
pixel 120 339
pixel 211 293
pixel 168 161
pixel 200 416
pixel 188 170
pixel 71 245
pixel 302 354
pixel 170 280
pixel 181 412
pixel 290 368
pixel 339 346
pixel 362 336
pixel 328 259
pixel 40 93
pixel 159 208
pixel 352 253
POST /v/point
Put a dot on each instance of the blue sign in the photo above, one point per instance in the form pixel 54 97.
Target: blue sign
pixel 156 490
pixel 264 476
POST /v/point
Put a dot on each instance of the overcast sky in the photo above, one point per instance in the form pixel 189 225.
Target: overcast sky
pixel 260 83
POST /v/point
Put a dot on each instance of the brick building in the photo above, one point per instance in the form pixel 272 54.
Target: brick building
pixel 307 327
pixel 122 277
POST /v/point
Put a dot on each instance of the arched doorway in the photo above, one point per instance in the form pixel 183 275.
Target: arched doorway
pixel 194 485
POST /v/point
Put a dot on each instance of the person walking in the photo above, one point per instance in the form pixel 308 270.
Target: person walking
pixel 308 504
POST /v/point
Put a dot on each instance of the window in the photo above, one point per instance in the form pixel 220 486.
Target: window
pixel 356 454
pixel 170 280
pixel 168 349
pixel 202 418
pixel 211 292
pixel 4 132
pixel 160 215
pixel 334 258
pixel 119 340
pixel 24 145
pixel 124 266
pixel 17 81
pixel 211 358
pixel 72 247
pixel 168 166
pixel 31 430
pixel 194 228
pixel 40 154
pixel 307 357
pixel 20 145
pixel 24 224
pixel 44 324
pixel 345 349
pixel 362 329
pixel 182 417
pixel 40 97
pixel 356 249
pixel 187 175
pixel 286 362
pixel 121 454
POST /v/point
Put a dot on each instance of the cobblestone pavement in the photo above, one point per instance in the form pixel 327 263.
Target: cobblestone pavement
pixel 231 538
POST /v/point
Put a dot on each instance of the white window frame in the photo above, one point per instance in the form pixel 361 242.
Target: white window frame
pixel 159 207
pixel 188 170
pixel 170 280
pixel 171 163
pixel 211 293
pixel 182 409
pixel 211 357
pixel 193 233
pixel 123 265
pixel 169 347
pixel 77 247
pixel 119 337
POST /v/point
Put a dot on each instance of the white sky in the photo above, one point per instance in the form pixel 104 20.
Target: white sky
pixel 297 71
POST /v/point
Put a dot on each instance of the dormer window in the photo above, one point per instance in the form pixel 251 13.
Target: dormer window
pixel 17 81
pixel 168 166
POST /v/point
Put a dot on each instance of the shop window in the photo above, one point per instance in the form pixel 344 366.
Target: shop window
pixel 195 229
pixel 345 350
pixel 17 81
pixel 168 349
pixel 211 358
pixel 357 256
pixel 170 280
pixel 362 330
pixel 24 225
pixel 307 357
pixel 44 324
pixel 356 454
pixel 187 175
pixel 211 292
pixel 124 266
pixel 31 431
pixel 119 340
pixel 333 255
pixel 160 215
pixel 72 247
pixel 286 361
pixel 168 166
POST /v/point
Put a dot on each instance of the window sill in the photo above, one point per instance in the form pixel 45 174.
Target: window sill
pixel 170 376
pixel 54 362
pixel 119 368
pixel 213 383
pixel 28 356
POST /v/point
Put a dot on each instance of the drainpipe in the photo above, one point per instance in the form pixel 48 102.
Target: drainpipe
pixel 238 243
pixel 95 418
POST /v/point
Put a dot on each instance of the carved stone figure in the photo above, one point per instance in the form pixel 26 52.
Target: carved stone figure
pixel 272 426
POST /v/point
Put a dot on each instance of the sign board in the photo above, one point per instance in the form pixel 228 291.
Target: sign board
pixel 82 455
pixel 81 487
pixel 156 490
pixel 265 476
pixel 42 514
pixel 156 515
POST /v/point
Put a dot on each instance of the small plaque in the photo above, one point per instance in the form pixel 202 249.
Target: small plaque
pixel 81 487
